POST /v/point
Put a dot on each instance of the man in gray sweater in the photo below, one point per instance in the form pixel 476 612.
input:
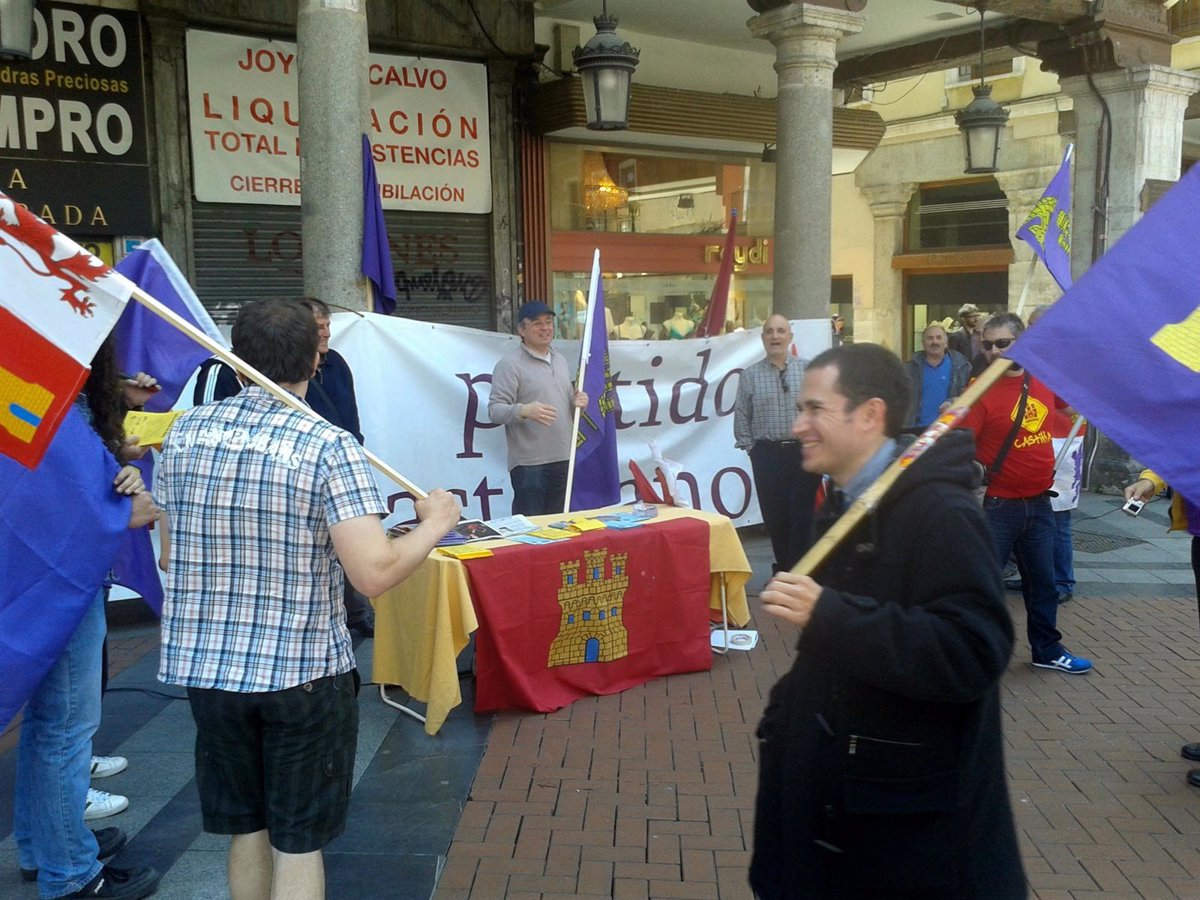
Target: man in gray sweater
pixel 532 397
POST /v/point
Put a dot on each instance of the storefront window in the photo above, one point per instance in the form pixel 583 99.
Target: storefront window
pixel 961 214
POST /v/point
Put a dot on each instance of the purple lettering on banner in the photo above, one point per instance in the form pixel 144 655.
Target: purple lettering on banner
pixel 720 394
pixel 718 498
pixel 471 415
pixel 483 494
pixel 690 480
pixel 677 393
pixel 648 383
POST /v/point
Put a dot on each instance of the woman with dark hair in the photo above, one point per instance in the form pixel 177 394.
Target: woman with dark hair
pixel 54 761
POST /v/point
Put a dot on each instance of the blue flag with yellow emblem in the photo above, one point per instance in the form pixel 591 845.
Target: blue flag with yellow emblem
pixel 1048 228
pixel 1123 345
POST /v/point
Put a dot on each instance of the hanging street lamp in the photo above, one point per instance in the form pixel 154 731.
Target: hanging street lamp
pixel 606 64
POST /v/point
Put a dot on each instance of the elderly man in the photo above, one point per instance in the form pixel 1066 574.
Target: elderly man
pixel 881 751
pixel 966 340
pixel 533 398
pixel 1014 444
pixel 937 374
pixel 762 426
pixel 264 507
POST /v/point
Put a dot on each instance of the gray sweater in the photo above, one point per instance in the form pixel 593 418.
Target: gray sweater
pixel 521 377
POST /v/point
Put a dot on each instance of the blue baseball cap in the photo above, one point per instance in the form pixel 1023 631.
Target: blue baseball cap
pixel 533 309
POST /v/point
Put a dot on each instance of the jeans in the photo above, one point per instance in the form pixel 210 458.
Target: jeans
pixel 1025 527
pixel 54 764
pixel 1064 553
pixel 539 490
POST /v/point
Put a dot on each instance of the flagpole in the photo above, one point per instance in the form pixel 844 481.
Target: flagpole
pixel 585 348
pixel 244 368
pixel 1075 426
pixel 871 496
pixel 1025 286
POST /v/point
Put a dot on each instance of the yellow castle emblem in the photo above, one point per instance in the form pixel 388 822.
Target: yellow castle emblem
pixel 592 627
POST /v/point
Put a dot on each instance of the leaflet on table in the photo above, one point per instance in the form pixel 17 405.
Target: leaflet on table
pixel 511 525
pixel 465 552
pixel 551 533
pixel 464 532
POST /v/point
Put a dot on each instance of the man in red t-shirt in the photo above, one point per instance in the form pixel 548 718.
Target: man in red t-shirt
pixel 1017 504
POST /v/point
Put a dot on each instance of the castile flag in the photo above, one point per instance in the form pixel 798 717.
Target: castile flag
pixel 57 305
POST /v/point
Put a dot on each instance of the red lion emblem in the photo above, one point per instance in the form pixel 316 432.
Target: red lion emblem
pixel 21 229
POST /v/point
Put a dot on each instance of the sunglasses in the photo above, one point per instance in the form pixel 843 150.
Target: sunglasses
pixel 783 385
pixel 999 343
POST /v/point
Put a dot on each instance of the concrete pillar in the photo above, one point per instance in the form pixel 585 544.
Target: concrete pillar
pixel 168 76
pixel 1146 104
pixel 805 37
pixel 883 323
pixel 505 215
pixel 332 58
pixel 1024 188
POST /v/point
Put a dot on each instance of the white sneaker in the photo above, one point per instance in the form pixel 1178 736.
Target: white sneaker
pixel 103 766
pixel 101 804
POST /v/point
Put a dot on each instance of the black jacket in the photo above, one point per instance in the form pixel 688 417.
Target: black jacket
pixel 881 762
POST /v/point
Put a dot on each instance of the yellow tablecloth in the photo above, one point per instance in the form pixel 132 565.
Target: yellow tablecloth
pixel 422 624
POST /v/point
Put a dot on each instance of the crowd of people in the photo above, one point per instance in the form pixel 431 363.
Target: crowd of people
pixel 881 750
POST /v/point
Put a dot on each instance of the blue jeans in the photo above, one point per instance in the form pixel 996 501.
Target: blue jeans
pixel 1064 553
pixel 539 490
pixel 1025 528
pixel 54 764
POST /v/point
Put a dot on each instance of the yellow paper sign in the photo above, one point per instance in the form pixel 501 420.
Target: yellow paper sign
pixel 586 525
pixel 464 552
pixel 150 428
pixel 553 534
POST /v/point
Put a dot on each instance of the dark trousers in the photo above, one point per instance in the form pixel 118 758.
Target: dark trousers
pixel 539 490
pixel 1026 527
pixel 786 495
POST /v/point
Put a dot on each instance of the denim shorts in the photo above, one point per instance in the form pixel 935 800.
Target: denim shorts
pixel 281 760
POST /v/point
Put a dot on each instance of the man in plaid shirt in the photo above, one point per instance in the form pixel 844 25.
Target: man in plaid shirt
pixel 264 509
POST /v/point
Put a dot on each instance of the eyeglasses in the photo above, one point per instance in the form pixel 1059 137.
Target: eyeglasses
pixel 999 343
pixel 783 384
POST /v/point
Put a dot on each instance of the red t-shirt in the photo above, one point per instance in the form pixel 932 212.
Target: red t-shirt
pixel 1028 469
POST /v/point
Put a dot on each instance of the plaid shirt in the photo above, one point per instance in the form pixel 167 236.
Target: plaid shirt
pixel 254 591
pixel 766 402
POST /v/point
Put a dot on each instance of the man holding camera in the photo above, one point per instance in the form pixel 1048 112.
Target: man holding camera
pixel 1013 443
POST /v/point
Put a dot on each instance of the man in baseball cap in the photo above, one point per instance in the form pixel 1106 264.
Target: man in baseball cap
pixel 966 341
pixel 532 397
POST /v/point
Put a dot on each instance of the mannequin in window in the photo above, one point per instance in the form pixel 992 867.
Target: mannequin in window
pixel 630 330
pixel 679 325
pixel 581 317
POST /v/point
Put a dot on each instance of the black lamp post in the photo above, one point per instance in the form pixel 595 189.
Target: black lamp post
pixel 982 121
pixel 16 28
pixel 606 65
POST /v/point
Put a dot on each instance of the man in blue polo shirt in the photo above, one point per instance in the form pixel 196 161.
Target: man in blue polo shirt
pixel 938 375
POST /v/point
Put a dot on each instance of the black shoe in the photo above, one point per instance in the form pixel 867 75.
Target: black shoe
pixel 1065 598
pixel 110 840
pixel 1013 584
pixel 1190 751
pixel 120 884
pixel 1193 777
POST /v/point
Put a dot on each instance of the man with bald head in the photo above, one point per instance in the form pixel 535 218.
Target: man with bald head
pixel 762 426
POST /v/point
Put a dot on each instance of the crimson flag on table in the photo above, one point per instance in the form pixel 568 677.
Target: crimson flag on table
pixel 595 614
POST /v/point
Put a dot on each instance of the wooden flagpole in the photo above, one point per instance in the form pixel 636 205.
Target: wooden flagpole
pixel 244 368
pixel 871 496
pixel 585 348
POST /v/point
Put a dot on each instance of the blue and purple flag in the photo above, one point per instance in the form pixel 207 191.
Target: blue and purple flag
pixel 1123 345
pixel 148 343
pixel 1048 228
pixel 596 480
pixel 59 528
pixel 376 254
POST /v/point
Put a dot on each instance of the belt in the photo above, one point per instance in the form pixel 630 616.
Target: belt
pixel 778 443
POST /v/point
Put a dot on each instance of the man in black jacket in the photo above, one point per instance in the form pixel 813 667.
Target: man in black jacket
pixel 881 761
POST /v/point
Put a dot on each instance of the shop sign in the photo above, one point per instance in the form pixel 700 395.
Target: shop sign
pixel 73 122
pixel 428 126
pixel 756 254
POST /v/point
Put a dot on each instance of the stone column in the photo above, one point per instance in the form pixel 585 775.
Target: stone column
pixel 505 222
pixel 1024 188
pixel 1146 105
pixel 883 322
pixel 173 163
pixel 332 58
pixel 805 36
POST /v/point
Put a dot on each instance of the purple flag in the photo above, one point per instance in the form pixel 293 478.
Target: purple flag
pixel 59 527
pixel 596 481
pixel 376 254
pixel 1048 228
pixel 1123 345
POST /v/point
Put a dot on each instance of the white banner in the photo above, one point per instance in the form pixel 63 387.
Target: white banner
pixel 429 126
pixel 423 394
